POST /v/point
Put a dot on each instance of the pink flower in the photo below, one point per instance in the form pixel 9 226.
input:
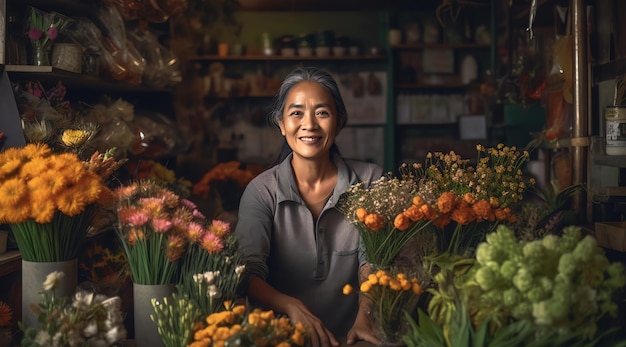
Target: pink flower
pixel 137 219
pixel 220 228
pixel 190 205
pixel 53 33
pixel 212 243
pixel 194 232
pixel 198 214
pixel 161 225
pixel 34 34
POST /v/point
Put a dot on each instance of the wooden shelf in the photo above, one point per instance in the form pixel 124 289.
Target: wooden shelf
pixel 285 58
pixel 415 46
pixel 10 262
pixel 411 86
pixel 49 74
pixel 610 160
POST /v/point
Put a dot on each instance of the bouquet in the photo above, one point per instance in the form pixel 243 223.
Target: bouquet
pixel 212 266
pixel 228 179
pixel 235 327
pixel 152 225
pixel 49 200
pixel 392 294
pixel 386 215
pixel 44 28
pixel 88 320
pixel 470 201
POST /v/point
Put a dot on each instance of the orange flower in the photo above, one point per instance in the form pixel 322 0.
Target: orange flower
pixel 463 215
pixel 401 222
pixel 361 213
pixel 445 203
pixel 6 314
pixel 414 213
pixel 442 220
pixel 417 200
pixel 428 211
pixel 374 221
pixel 469 198
pixel 483 211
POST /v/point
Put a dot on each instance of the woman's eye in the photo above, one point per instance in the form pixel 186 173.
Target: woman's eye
pixel 295 114
pixel 323 114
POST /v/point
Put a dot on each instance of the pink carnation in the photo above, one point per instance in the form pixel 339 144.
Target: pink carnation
pixel 212 243
pixel 161 225
pixel 198 214
pixel 34 34
pixel 220 228
pixel 138 219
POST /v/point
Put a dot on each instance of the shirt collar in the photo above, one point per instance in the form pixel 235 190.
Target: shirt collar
pixel 288 189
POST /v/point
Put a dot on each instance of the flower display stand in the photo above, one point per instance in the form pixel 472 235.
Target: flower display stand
pixel 34 275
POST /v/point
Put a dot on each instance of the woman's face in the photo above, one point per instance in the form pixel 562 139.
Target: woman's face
pixel 309 121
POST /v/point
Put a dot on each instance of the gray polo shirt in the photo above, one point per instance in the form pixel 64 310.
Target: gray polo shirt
pixel 305 258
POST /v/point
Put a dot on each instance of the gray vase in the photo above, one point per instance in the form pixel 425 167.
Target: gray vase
pixel 146 333
pixel 33 276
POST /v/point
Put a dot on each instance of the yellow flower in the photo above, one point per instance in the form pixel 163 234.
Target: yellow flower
pixel 75 137
pixel 348 289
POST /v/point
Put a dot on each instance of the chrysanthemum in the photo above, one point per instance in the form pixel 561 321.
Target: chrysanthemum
pixel 161 225
pixel 175 247
pixel 212 243
pixel 194 232
pixel 137 219
pixel 47 182
pixel 42 210
pixel 71 201
pixel 220 228
pixel 13 192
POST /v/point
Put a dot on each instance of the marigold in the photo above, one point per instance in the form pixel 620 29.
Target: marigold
pixel 463 215
pixel 374 221
pixel 361 213
pixel 414 213
pixel 446 202
pixel 401 222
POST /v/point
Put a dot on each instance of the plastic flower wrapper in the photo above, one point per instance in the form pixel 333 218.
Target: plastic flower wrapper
pixel 155 136
pixel 162 67
pixel 236 327
pixel 392 294
pixel 560 284
pixel 89 319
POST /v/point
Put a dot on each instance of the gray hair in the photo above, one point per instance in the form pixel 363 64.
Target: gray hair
pixel 303 74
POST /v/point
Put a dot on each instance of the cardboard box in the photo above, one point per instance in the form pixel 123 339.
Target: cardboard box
pixel 611 235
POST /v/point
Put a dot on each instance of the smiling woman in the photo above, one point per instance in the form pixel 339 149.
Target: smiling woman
pixel 298 247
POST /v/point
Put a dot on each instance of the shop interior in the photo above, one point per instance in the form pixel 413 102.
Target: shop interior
pixel 183 89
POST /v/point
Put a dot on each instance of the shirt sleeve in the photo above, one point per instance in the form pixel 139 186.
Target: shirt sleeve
pixel 253 230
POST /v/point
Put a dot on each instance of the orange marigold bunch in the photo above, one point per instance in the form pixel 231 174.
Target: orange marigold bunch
pixel 260 328
pixel 222 172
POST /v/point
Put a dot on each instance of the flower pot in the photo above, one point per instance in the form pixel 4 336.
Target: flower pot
pixel 33 276
pixel 146 333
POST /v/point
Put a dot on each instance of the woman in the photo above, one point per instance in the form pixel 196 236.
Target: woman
pixel 299 250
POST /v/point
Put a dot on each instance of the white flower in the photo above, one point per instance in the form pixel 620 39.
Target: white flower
pixel 53 280
pixel 213 292
pixel 239 269
pixel 115 335
pixel 43 338
pixel 91 329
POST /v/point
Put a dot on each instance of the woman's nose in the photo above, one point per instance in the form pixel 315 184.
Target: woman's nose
pixel 309 121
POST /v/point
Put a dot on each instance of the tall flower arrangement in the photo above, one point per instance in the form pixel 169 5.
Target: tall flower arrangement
pixel 152 224
pixel 470 200
pixel 48 200
pixel 211 267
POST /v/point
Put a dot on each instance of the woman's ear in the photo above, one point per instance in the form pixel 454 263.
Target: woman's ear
pixel 281 127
